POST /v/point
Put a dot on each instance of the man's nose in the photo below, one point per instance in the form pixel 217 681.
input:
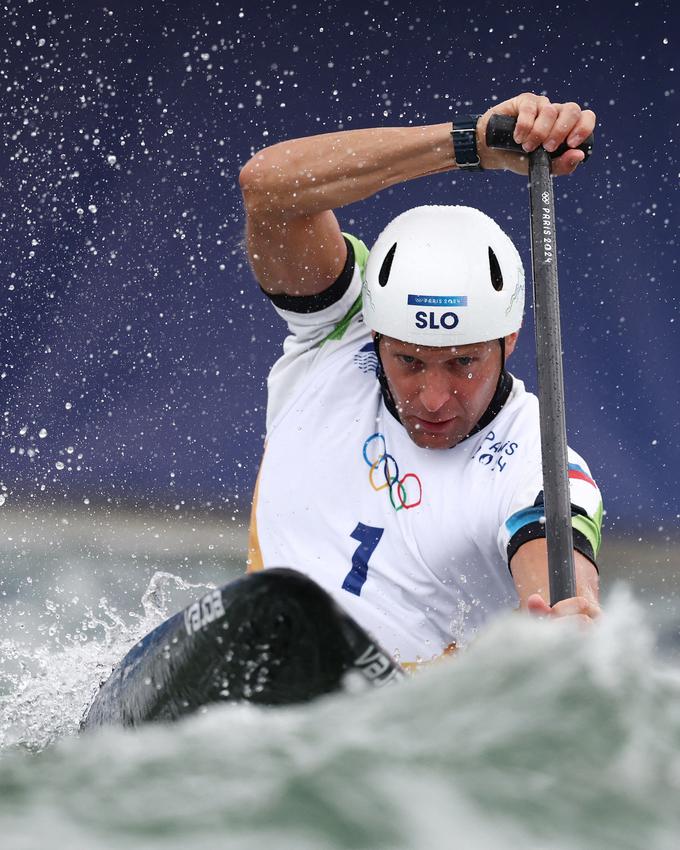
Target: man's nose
pixel 436 390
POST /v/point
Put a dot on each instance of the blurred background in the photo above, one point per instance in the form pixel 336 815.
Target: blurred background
pixel 135 343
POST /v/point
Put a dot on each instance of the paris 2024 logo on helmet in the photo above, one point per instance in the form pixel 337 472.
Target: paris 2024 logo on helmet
pixel 443 275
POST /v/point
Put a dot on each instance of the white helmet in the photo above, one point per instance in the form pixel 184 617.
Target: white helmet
pixel 443 275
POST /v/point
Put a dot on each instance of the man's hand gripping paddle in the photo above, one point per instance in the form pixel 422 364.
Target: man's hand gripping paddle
pixel 499 134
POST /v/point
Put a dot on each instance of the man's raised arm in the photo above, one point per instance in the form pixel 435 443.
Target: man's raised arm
pixel 291 189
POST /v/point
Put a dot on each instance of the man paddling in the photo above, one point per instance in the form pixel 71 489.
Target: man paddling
pixel 414 499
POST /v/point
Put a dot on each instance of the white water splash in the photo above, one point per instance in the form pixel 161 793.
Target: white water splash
pixel 46 687
pixel 539 735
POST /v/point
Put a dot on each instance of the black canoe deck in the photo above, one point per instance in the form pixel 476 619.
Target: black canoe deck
pixel 270 638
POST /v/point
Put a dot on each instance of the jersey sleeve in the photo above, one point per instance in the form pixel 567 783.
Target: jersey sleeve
pixel 314 320
pixel 526 513
pixel 311 318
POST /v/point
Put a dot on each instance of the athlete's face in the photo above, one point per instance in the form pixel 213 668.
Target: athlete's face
pixel 441 393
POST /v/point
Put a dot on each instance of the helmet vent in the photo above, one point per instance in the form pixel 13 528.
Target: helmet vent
pixel 496 273
pixel 386 267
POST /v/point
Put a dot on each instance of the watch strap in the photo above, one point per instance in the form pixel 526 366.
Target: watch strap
pixel 464 135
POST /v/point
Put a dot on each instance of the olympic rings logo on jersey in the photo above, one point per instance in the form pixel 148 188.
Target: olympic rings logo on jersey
pixel 405 492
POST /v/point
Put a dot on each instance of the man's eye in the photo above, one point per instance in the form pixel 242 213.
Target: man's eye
pixel 407 359
pixel 465 361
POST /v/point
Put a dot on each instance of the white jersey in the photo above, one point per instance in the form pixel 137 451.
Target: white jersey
pixel 414 543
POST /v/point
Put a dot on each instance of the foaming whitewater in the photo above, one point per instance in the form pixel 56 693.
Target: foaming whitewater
pixel 45 687
pixel 540 735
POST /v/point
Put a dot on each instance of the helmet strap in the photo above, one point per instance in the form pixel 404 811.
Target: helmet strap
pixel 500 396
pixel 388 398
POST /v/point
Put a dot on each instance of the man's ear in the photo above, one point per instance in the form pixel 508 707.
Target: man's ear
pixel 510 343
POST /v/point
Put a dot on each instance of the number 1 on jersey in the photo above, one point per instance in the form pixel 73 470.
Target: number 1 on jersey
pixel 368 537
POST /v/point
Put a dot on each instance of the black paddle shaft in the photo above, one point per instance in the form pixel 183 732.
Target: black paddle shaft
pixel 548 356
pixel 550 380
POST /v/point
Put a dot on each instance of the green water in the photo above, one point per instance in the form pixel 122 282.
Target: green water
pixel 536 737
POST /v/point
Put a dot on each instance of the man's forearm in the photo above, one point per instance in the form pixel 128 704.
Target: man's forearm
pixel 529 568
pixel 305 176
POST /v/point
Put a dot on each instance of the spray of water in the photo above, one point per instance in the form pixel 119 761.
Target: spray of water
pixel 539 735
pixel 48 680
